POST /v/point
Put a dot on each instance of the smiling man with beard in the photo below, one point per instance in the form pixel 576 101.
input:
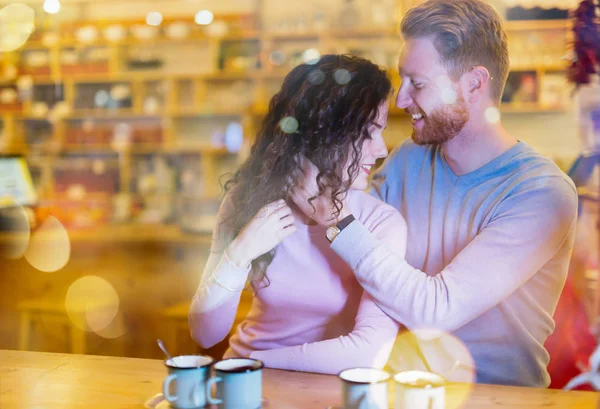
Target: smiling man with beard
pixel 491 222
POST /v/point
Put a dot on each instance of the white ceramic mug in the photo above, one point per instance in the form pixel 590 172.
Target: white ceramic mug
pixel 239 384
pixel 190 374
pixel 419 390
pixel 364 388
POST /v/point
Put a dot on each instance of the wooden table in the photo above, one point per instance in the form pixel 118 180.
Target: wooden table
pixel 36 380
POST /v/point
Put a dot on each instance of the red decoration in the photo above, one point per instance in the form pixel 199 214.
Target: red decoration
pixel 586 28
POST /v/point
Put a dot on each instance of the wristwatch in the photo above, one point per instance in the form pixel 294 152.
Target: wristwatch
pixel 332 231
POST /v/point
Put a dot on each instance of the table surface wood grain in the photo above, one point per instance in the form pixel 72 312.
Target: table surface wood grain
pixel 36 380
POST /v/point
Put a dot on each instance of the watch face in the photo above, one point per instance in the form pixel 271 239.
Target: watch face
pixel 332 232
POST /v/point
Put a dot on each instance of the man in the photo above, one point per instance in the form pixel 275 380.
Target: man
pixel 490 221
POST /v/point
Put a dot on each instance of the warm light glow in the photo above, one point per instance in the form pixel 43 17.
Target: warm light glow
pixel 92 303
pixel 311 56
pixel 120 91
pixel 203 17
pixel 51 6
pixel 492 115
pixel 17 22
pixel 99 167
pixel 448 96
pixel 115 329
pixel 49 249
pixel 14 231
pixel 154 18
pixel 445 355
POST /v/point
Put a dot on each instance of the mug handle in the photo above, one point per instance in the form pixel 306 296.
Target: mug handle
pixel 168 380
pixel 209 384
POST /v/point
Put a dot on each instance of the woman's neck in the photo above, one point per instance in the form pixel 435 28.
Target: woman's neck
pixel 300 215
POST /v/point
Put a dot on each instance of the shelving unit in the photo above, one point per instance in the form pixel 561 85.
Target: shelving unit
pixel 120 104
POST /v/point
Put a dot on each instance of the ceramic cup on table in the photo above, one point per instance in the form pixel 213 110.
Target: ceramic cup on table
pixel 364 388
pixel 419 390
pixel 187 377
pixel 239 384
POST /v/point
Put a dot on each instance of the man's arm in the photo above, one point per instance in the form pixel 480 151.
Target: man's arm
pixel 529 228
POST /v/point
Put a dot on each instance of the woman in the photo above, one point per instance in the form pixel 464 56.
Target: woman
pixel 323 132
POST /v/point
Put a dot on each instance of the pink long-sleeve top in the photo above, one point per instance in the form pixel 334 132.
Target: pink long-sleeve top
pixel 314 315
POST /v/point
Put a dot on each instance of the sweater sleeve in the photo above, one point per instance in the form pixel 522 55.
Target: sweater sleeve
pixel 528 229
pixel 215 303
pixel 372 338
pixel 369 344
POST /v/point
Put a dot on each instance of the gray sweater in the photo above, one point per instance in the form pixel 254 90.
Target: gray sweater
pixel 487 254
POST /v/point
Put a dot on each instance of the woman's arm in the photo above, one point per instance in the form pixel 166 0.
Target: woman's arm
pixel 215 303
pixel 369 344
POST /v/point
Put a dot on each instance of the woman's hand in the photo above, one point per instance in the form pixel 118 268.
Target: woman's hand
pixel 264 231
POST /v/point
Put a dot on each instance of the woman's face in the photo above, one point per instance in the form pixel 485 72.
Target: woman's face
pixel 372 149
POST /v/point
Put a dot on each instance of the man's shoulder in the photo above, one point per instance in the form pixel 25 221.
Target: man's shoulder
pixel 533 168
pixel 537 179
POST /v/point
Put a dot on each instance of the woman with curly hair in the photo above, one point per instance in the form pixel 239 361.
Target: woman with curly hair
pixel 323 131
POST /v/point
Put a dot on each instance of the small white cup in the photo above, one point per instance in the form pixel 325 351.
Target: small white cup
pixel 364 388
pixel 190 374
pixel 419 390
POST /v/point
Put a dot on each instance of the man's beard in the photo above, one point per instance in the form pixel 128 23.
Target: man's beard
pixel 443 124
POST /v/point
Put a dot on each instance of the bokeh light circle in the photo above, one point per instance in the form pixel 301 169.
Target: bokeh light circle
pixel 49 248
pixel 311 56
pixel 492 115
pixel 154 18
pixel 449 96
pixel 316 77
pixel 432 350
pixel 17 22
pixel 342 76
pixel 203 17
pixel 289 124
pixel 92 303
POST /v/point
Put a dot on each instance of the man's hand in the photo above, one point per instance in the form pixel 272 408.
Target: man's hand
pixel 324 211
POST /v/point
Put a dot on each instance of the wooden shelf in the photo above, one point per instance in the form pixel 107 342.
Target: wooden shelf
pixel 215 151
pixel 160 39
pixel 558 66
pixel 527 25
pixel 108 113
pixel 144 149
pixel 205 112
pixel 307 35
pixel 137 233
pixel 195 87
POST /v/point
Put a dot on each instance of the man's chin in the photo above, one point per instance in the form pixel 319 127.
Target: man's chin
pixel 418 138
pixel 424 139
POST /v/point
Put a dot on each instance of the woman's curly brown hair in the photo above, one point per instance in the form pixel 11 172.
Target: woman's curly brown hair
pixel 323 111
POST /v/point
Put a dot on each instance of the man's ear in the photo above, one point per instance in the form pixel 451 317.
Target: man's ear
pixel 477 83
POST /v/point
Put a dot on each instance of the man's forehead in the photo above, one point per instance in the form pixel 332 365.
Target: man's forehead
pixel 418 56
